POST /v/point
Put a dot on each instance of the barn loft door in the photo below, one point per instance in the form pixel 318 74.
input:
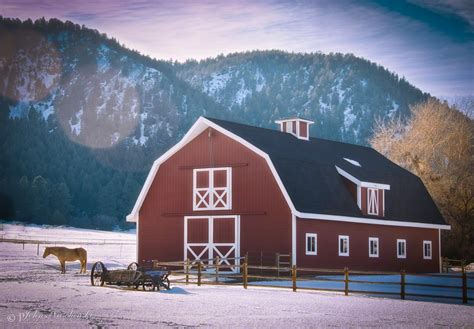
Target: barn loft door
pixel 208 237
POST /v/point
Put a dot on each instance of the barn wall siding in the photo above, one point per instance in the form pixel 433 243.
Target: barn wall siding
pixel 358 258
pixel 265 219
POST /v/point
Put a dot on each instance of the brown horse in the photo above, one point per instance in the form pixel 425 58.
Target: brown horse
pixel 70 255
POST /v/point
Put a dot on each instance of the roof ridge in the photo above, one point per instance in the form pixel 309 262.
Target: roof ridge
pixel 278 131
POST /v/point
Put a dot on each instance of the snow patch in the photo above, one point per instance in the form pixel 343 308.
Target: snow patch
pixel 103 63
pixel 218 82
pixel 260 80
pixel 242 93
pixel 349 118
pixel 393 110
pixel 76 128
pixel 353 162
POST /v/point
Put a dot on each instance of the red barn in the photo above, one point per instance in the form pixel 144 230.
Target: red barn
pixel 226 189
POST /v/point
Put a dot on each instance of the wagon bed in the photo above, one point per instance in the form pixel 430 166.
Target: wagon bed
pixel 134 276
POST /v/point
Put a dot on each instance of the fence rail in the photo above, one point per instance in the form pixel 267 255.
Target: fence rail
pixel 242 277
pixel 39 242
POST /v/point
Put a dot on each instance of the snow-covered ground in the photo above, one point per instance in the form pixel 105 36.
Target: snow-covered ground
pixel 34 294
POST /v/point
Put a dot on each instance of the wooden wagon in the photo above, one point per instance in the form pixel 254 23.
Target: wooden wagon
pixel 134 276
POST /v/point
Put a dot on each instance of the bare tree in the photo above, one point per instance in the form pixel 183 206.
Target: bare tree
pixel 436 143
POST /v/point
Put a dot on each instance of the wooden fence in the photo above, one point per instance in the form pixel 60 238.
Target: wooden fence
pixel 38 241
pixel 207 271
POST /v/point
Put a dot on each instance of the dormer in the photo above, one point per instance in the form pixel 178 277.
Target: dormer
pixel 296 126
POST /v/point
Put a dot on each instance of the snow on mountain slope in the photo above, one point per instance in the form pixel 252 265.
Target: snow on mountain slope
pixel 101 93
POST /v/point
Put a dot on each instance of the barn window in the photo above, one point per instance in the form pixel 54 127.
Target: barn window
pixel 343 245
pixel 427 250
pixel 373 247
pixel 401 248
pixel 212 189
pixel 311 244
pixel 372 201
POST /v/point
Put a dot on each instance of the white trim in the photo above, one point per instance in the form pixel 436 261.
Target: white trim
pixel 310 252
pixel 360 183
pixel 404 241
pixel 359 197
pixel 293 239
pixel 339 239
pixel 197 128
pixel 210 246
pixel 211 191
pixel 294 119
pixel 362 220
pixel 137 243
pixel 202 124
pixel 430 256
pixel 376 240
pixel 373 201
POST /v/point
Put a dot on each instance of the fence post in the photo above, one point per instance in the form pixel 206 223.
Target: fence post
pixel 346 281
pixel 277 261
pixel 37 249
pixel 199 273
pixel 217 268
pixel 402 284
pixel 464 284
pixel 187 270
pixel 245 274
pixel 293 277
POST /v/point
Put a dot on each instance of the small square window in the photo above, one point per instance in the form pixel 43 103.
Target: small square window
pixel 373 247
pixel 401 248
pixel 311 244
pixel 427 252
pixel 343 245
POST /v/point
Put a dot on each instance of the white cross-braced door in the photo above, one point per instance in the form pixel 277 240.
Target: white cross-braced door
pixel 208 237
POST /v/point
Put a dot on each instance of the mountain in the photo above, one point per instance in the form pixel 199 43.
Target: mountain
pixel 343 94
pixel 83 117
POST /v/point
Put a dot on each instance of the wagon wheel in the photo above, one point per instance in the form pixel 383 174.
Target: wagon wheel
pixel 148 285
pixel 97 274
pixel 133 266
pixel 165 283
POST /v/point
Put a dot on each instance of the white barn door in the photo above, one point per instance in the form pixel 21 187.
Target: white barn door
pixel 208 237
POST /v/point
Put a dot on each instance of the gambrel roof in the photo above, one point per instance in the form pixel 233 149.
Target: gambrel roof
pixel 308 173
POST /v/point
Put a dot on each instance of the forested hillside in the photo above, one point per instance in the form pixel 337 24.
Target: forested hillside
pixel 82 117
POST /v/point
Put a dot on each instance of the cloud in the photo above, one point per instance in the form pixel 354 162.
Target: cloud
pixel 430 43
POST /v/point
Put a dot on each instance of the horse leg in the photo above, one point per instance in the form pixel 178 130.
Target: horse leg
pixel 63 267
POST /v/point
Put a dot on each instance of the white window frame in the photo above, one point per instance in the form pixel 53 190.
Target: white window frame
pixel 212 191
pixel 430 256
pixel 340 238
pixel 311 252
pixel 373 191
pixel 404 249
pixel 376 240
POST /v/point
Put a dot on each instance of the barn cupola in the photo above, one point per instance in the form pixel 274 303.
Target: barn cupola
pixel 296 126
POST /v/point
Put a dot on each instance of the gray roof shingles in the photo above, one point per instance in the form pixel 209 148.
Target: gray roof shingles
pixel 308 172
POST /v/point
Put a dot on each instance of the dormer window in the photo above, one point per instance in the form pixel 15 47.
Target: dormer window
pixel 372 201
pixel 296 126
pixel 370 196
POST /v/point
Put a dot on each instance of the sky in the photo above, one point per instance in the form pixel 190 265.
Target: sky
pixel 430 43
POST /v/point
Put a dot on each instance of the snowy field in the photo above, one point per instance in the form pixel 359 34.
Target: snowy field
pixel 34 294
